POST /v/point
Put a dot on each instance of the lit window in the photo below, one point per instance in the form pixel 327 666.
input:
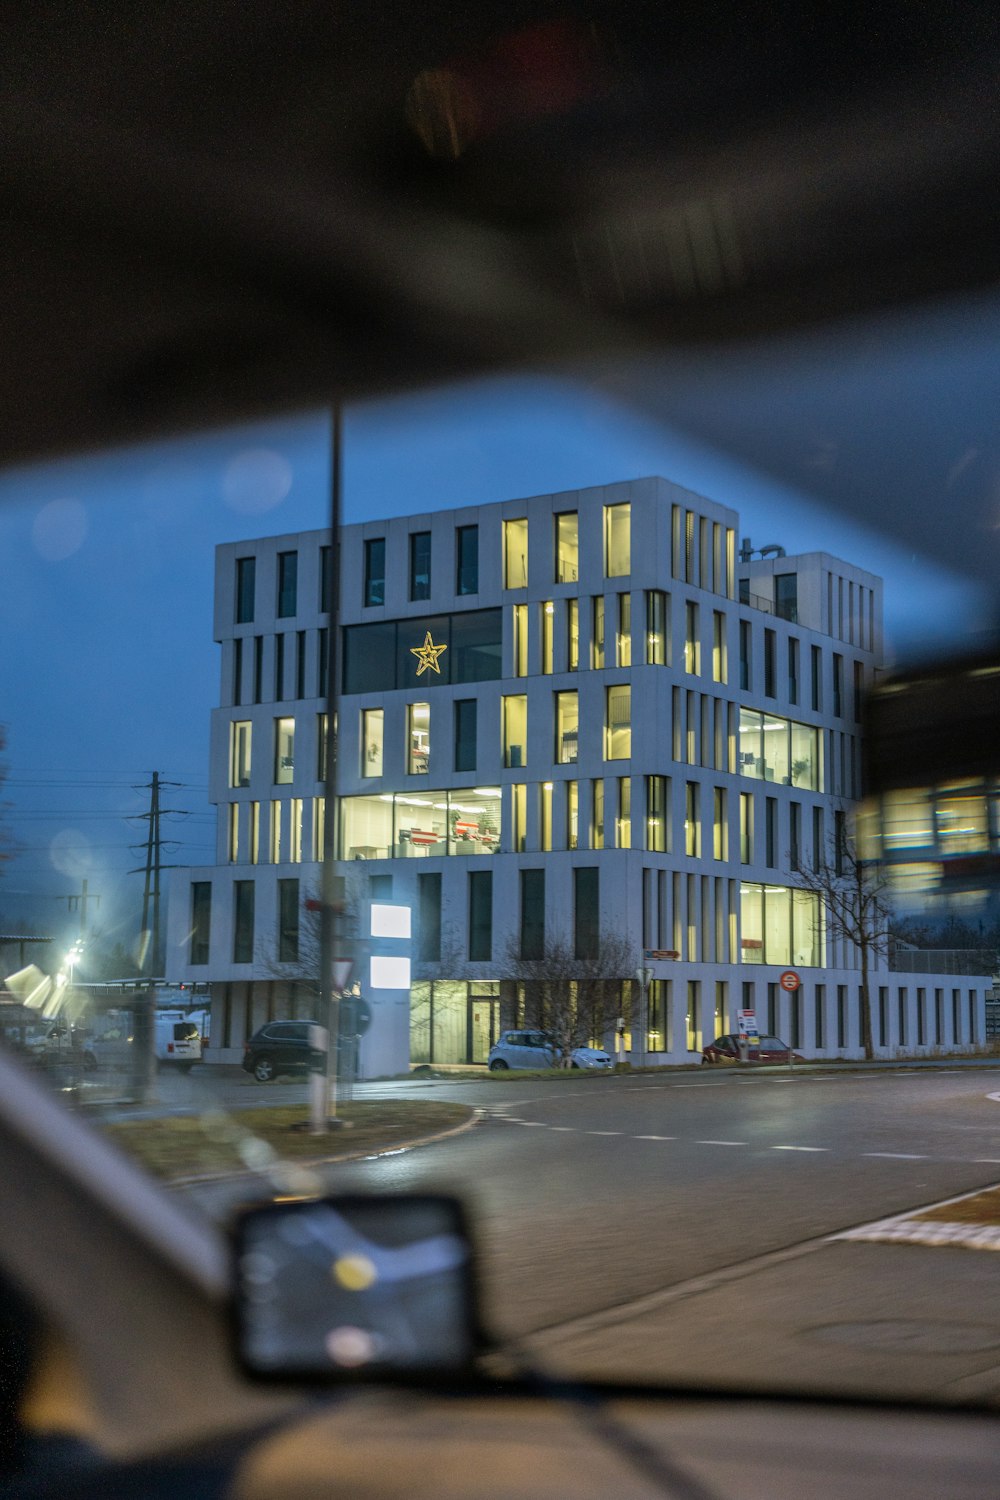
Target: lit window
pixel 254 832
pixel 567 547
pixel 515 730
pixel 597 634
pixel 295 831
pixel 692 820
pixel 572 814
pixel 515 553
pixel 418 738
pixel 656 628
pixel 372 741
pixel 520 617
pixel 618 722
pixel 692 644
pixel 547 613
pixel 545 816
pixel 623 639
pixel 720 665
pixel 284 751
pixel 234 832
pixel 617 540
pixel 275 833
pixel 623 823
pixel 567 728
pixel 597 817
pixel 656 813
pixel 519 816
pixel 573 634
pixel 720 824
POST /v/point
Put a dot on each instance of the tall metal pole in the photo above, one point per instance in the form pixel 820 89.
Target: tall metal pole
pixel 323 1104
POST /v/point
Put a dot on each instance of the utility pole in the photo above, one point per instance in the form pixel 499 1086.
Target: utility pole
pixel 79 902
pixel 152 958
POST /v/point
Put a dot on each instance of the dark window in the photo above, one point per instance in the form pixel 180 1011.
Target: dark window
pixel 325 579
pixel 793 669
pixel 744 591
pixel 770 664
pixel 201 920
pixel 238 670
pixel 288 577
pixel 246 575
pixel 323 664
pixel 420 565
pixel 481 915
pixel 772 1012
pixel 428 918
pixel 586 913
pixel 838 685
pixel 771 832
pixel 243 893
pixel 288 921
pixel 379 657
pixel 532 913
pixel 300 664
pixel 859 689
pixel 786 596
pixel 375 570
pixel 818 844
pixel 795 829
pixel 465 734
pixel 820 1018
pixel 258 669
pixel 745 669
pixel 817 678
pixel 841 1015
pixel 883 1015
pixel 839 837
pixel 467 560
pixel 279 667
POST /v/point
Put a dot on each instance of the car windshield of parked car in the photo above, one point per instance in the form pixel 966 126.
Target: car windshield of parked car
pixel 599 741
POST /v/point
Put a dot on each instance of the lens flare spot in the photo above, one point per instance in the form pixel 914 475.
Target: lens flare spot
pixel 256 481
pixel 59 529
pixel 355 1273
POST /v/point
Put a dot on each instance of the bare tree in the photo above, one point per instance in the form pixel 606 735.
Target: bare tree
pixel 295 958
pixel 572 999
pixel 851 892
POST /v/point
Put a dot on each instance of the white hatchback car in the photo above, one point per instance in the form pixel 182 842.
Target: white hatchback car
pixel 535 1049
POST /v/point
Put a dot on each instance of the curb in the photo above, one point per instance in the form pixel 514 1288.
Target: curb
pixel 909 1229
pixel 307 1162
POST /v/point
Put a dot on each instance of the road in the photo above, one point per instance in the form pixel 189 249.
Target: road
pixel 595 1193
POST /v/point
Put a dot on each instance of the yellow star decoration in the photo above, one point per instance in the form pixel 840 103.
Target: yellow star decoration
pixel 427 655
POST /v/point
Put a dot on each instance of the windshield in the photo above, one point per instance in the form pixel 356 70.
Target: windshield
pixel 598 743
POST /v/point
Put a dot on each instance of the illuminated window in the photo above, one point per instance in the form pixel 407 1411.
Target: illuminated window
pixel 515 730
pixel 372 741
pixel 545 816
pixel 254 832
pixel 692 643
pixel 284 751
pixel 239 753
pixel 692 820
pixel 295 831
pixel 720 666
pixel 623 639
pixel 418 738
pixel 567 547
pixel 618 722
pixel 572 814
pixel 617 540
pixel 519 816
pixel 597 633
pixel 547 615
pixel 567 728
pixel 275 833
pixel 656 813
pixel 623 823
pixel 656 628
pixel 746 828
pixel 318 827
pixel 573 634
pixel 597 815
pixel 520 617
pixel 720 823
pixel 515 554
pixel 234 832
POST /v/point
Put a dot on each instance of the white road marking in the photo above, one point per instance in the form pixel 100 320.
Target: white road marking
pixel 571 1128
pixel 654 1138
pixel 987 1160
pixel 800 1148
pixel 895 1155
pixel 604 1132
pixel 720 1143
pixel 994 1097
pixel 534 1124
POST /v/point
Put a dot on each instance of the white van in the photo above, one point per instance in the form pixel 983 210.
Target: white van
pixel 177 1039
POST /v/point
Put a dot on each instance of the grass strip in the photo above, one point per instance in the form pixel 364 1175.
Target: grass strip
pixel 981 1208
pixel 233 1141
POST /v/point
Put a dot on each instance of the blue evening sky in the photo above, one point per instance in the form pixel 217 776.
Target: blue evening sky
pixel 109 669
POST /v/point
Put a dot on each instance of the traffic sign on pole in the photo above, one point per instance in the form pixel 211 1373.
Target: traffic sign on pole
pixel 790 980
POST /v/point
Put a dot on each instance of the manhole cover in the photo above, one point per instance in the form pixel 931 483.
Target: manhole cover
pixel 910 1337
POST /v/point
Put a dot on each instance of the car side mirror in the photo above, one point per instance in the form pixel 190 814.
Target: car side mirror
pixel 355 1287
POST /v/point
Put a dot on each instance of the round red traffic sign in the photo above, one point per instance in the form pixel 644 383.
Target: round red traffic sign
pixel 789 980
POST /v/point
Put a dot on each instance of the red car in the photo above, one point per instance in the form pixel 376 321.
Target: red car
pixel 769 1049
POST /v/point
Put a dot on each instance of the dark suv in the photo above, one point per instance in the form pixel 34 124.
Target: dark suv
pixel 278 1047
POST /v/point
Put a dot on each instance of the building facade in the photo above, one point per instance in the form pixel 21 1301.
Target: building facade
pixel 575 722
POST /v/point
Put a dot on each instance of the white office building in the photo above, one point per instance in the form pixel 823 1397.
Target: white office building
pixel 596 716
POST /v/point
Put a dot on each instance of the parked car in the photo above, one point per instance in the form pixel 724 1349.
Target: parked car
pixel 536 1049
pixel 279 1047
pixel 768 1049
